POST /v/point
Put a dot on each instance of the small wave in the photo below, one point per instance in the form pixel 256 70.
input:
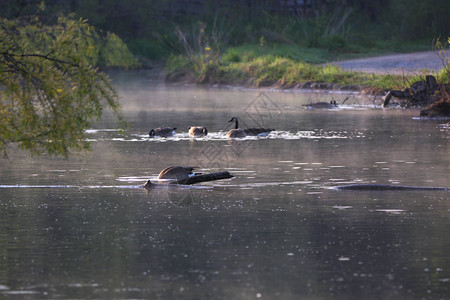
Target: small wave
pixel 342 207
pixel 431 119
pixel 391 211
pixel 26 186
pixel 156 183
pixel 266 184
pixel 221 136
pixel 102 130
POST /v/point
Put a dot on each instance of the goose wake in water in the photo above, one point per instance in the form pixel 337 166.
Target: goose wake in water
pixel 322 105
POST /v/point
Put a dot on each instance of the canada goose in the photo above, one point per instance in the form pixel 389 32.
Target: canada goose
pixel 184 175
pixel 176 172
pixel 162 132
pixel 240 133
pixel 197 131
pixel 319 105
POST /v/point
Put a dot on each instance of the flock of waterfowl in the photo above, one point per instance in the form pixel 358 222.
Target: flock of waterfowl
pixel 200 131
pixel 236 132
pixel 184 175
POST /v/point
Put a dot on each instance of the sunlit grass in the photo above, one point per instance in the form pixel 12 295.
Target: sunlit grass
pixel 245 68
pixel 294 52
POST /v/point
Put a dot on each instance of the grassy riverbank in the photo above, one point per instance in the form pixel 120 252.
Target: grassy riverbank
pixel 274 66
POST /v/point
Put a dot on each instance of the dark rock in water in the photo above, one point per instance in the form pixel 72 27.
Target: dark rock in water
pixel 418 87
pixel 400 94
pixel 440 108
pixel 431 83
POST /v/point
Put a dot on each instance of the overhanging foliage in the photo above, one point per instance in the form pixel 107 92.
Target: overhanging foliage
pixel 49 91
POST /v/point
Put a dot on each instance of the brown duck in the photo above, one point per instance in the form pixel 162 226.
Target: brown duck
pixel 198 131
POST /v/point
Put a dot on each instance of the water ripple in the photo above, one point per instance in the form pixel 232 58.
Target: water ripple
pixel 222 136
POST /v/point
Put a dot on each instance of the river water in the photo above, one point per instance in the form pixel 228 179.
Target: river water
pixel 83 227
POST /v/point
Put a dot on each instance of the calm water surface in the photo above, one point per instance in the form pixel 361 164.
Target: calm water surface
pixel 83 228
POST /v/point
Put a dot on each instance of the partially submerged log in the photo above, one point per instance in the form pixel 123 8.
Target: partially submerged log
pixel 184 176
pixel 440 108
pixel 420 93
pixel 206 177
pixel 423 93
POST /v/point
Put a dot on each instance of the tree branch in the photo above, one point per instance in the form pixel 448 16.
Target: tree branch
pixel 41 56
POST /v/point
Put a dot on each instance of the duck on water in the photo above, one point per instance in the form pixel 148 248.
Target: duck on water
pixel 198 131
pixel 240 132
pixel 184 175
pixel 162 132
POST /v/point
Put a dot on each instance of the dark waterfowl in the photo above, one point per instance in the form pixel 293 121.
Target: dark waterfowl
pixel 176 172
pixel 198 131
pixel 184 175
pixel 322 105
pixel 162 132
pixel 240 133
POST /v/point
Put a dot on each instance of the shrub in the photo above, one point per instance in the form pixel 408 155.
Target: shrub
pixel 231 56
pixel 114 53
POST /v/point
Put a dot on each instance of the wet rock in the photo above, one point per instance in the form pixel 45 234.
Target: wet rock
pixel 431 83
pixel 439 108
pixel 418 87
pixel 400 94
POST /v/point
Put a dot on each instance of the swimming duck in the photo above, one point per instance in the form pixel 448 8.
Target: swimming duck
pixel 240 133
pixel 197 131
pixel 162 132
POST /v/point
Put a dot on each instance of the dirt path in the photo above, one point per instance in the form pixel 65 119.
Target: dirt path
pixel 408 63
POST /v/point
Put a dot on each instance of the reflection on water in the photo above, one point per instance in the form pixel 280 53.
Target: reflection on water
pixel 84 228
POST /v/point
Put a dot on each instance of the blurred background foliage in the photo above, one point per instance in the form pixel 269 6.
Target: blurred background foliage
pixel 152 28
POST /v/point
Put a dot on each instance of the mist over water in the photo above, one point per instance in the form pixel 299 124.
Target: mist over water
pixel 84 228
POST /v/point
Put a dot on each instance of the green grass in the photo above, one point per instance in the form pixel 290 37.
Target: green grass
pixel 240 66
pixel 249 52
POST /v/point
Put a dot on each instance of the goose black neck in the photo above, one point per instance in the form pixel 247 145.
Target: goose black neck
pixel 236 123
